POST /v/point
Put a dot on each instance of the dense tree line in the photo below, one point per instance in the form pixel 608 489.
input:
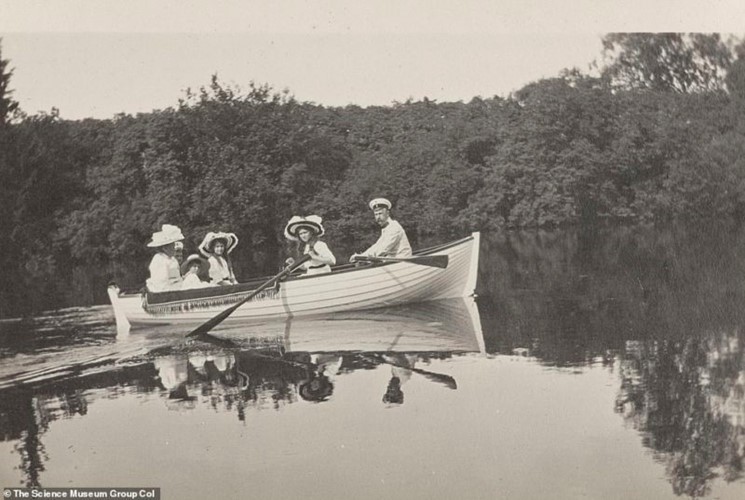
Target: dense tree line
pixel 656 134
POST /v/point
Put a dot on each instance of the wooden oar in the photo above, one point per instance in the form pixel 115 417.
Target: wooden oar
pixel 422 260
pixel 436 377
pixel 211 323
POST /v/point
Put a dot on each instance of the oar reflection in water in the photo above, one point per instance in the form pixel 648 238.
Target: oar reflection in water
pixel 406 362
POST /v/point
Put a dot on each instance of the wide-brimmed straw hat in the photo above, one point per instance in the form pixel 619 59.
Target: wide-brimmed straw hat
pixel 168 234
pixel 230 240
pixel 379 202
pixel 191 259
pixel 312 222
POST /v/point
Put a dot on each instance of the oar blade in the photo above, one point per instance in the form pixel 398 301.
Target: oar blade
pixel 212 322
pixel 440 261
pixel 440 378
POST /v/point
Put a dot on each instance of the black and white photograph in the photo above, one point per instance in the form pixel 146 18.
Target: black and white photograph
pixel 401 250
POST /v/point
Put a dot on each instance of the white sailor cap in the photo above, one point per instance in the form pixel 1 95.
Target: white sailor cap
pixel 380 202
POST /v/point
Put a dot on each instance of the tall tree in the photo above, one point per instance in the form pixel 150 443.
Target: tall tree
pixel 7 105
pixel 669 62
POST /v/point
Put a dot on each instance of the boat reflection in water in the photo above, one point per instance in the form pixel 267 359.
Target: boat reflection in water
pixel 303 360
pixel 264 367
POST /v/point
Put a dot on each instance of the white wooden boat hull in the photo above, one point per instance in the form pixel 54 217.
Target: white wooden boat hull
pixel 346 289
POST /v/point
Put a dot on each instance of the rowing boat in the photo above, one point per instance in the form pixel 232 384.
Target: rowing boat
pixel 348 287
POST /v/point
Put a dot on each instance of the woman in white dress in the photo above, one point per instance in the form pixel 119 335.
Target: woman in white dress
pixel 164 267
pixel 217 247
pixel 306 233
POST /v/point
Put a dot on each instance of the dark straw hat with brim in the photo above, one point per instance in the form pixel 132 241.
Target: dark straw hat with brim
pixel 195 259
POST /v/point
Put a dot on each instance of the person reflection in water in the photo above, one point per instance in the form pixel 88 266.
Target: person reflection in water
pixel 212 368
pixel 319 387
pixel 400 374
pixel 173 375
pixel 394 394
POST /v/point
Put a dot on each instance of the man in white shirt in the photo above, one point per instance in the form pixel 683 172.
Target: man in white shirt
pixel 393 241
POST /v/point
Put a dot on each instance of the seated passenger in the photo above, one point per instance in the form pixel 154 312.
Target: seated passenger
pixel 305 232
pixel 393 241
pixel 216 247
pixel 164 268
pixel 195 271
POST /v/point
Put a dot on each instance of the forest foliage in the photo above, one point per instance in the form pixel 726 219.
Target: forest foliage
pixel 656 133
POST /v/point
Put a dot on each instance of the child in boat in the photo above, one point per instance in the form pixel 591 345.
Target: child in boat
pixel 164 268
pixel 195 271
pixel 216 247
pixel 305 232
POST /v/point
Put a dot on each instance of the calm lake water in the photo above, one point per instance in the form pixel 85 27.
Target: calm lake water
pixel 594 364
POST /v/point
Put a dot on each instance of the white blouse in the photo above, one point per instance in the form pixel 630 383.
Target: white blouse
pixel 321 258
pixel 192 280
pixel 219 270
pixel 165 273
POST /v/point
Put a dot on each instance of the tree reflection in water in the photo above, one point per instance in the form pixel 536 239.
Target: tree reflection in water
pixel 688 399
pixel 664 305
pixel 26 413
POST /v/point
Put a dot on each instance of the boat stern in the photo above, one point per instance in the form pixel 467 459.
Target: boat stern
pixel 122 323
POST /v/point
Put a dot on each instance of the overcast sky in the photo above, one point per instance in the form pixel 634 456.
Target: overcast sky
pixel 96 58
